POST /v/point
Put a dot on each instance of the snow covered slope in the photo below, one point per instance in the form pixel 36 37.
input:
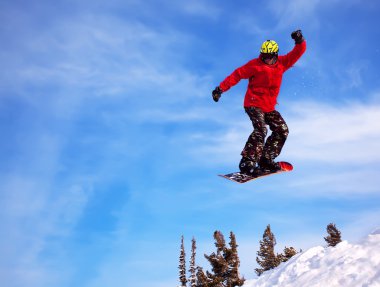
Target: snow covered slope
pixel 346 265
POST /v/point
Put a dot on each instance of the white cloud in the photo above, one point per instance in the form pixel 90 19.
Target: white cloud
pixel 349 133
pixel 85 57
pixel 360 224
pixel 341 142
pixel 346 134
pixel 298 12
pixel 352 76
pixel 280 16
pixel 200 8
pixel 106 54
pixel 33 215
pixel 292 12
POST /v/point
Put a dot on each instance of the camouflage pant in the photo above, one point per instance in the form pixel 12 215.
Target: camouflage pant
pixel 256 146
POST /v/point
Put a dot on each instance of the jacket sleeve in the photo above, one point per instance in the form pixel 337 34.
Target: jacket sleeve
pixel 292 57
pixel 244 72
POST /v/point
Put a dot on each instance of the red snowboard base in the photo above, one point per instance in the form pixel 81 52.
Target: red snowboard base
pixel 243 178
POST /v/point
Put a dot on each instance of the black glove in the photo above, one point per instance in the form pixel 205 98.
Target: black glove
pixel 217 93
pixel 297 36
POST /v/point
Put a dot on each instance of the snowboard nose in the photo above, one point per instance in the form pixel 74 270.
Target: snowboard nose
pixel 285 166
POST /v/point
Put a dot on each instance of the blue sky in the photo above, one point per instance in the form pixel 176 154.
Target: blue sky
pixel 111 142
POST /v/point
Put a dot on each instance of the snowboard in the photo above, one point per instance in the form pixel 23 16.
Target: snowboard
pixel 243 178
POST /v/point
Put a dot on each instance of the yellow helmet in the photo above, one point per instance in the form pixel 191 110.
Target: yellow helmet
pixel 269 47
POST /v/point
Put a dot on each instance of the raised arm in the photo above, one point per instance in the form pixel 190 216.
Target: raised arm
pixel 300 47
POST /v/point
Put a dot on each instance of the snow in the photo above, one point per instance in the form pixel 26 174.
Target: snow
pixel 348 265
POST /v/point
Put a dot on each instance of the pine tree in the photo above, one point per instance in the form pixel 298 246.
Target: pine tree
pixel 217 261
pixel 193 268
pixel 266 257
pixel 182 265
pixel 233 277
pixel 225 263
pixel 334 236
pixel 289 252
pixel 202 279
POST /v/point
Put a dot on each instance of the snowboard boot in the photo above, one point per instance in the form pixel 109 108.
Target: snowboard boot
pixel 267 165
pixel 247 166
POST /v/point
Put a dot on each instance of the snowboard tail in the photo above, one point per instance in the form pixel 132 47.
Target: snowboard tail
pixel 243 178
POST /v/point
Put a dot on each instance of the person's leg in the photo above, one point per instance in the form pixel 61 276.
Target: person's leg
pixel 254 146
pixel 275 141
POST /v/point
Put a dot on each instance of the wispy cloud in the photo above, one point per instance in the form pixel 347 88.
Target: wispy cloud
pixel 105 54
pixel 35 219
pixel 318 132
pixel 352 77
pixel 290 13
pixel 345 134
pixel 201 8
pixel 104 100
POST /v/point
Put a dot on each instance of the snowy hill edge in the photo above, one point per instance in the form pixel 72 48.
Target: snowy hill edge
pixel 349 265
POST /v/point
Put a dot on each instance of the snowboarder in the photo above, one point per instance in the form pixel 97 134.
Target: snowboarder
pixel 265 76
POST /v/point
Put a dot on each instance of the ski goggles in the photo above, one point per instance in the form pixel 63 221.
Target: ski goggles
pixel 268 56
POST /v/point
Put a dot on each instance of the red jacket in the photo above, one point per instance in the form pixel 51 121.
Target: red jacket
pixel 264 80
